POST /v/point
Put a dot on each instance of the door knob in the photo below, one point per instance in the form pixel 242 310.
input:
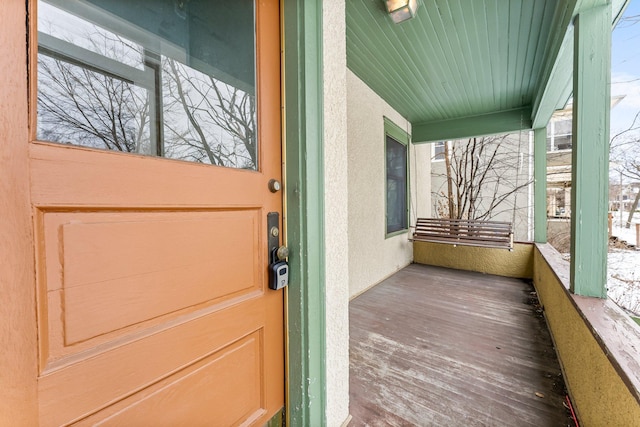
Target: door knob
pixel 282 253
pixel 274 185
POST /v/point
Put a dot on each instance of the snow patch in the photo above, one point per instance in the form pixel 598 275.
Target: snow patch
pixel 623 268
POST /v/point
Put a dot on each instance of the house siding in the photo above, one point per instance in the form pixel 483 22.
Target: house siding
pixel 515 150
pixel 372 256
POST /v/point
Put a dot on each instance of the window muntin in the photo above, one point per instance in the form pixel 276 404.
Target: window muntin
pixel 174 80
pixel 396 186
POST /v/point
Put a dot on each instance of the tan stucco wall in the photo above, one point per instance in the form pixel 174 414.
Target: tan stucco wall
pixel 336 217
pixel 372 256
pixel 597 391
pixel 516 263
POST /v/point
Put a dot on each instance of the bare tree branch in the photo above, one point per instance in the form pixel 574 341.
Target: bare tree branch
pixel 484 176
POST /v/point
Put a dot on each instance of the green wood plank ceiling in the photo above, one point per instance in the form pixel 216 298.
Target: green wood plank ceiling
pixel 462 68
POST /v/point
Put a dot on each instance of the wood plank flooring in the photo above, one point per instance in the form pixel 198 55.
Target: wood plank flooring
pixel 437 347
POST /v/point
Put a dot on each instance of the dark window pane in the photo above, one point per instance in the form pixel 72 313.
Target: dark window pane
pixel 563 142
pixel 396 156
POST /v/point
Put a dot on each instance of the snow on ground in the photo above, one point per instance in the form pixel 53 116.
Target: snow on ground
pixel 627 234
pixel 624 268
pixel 624 279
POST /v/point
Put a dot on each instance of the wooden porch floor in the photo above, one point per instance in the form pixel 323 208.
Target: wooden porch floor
pixel 437 347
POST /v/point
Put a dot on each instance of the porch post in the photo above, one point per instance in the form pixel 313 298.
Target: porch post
pixel 540 185
pixel 590 157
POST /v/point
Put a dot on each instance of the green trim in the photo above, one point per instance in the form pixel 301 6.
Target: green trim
pixel 540 185
pixel 590 154
pixel 618 9
pixel 396 233
pixel 277 420
pixel 557 89
pixel 554 85
pixel 554 89
pixel 397 134
pixel 467 127
pixel 305 211
pixel 395 131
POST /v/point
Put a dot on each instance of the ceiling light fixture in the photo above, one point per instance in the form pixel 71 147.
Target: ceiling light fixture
pixel 401 10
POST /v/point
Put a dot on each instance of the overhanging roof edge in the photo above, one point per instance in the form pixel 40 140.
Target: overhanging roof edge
pixel 466 127
pixel 557 87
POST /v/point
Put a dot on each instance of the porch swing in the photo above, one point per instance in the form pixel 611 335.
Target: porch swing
pixel 470 232
pixel 464 232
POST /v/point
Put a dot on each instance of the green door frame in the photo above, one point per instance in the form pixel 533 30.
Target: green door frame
pixel 304 146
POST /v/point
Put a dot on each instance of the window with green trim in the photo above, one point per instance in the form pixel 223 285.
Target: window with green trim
pixel 396 157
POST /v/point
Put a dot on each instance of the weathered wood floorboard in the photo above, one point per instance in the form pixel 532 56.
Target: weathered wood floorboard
pixel 437 347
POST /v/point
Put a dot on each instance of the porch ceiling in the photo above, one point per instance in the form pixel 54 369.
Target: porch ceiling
pixel 464 68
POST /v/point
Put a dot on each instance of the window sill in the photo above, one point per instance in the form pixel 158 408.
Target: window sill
pixel 396 233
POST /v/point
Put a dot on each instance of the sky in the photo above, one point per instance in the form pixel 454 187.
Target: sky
pixel 625 68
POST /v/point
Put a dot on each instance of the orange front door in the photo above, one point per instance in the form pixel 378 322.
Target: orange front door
pixel 152 297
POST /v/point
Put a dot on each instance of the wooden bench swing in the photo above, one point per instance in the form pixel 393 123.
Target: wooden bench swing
pixel 487 234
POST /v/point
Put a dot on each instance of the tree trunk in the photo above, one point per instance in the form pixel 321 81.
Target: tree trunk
pixel 633 210
pixel 447 163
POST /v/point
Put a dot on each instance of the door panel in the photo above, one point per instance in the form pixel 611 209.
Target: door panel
pixel 152 296
pixel 95 380
pixel 102 294
pixel 168 403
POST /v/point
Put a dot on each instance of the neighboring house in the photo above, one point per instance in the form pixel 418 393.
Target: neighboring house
pixel 623 195
pixel 509 181
pixel 559 144
pixel 559 164
pixel 135 277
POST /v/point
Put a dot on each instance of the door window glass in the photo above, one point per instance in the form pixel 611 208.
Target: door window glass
pixel 170 78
